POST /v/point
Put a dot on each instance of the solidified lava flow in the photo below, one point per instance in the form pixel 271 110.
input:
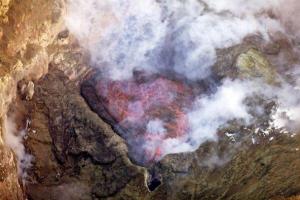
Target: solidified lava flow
pixel 147 111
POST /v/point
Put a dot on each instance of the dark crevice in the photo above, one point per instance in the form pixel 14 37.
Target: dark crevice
pixel 153 184
pixel 154 181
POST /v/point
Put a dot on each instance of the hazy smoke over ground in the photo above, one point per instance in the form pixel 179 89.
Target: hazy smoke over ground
pixel 14 139
pixel 180 39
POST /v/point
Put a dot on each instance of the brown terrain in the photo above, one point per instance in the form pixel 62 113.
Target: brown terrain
pixel 47 84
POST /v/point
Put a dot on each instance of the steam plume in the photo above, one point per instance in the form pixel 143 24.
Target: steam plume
pixel 181 36
pixel 14 140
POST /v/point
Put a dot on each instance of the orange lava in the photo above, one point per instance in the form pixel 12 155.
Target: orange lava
pixel 133 104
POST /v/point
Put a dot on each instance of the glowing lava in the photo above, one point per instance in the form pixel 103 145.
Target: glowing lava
pixel 147 111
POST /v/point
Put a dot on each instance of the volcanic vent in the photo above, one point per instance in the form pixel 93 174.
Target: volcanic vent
pixel 148 111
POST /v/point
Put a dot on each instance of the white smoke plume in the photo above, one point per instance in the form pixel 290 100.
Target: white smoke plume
pixel 212 112
pixel 14 139
pixel 243 7
pixel 287 113
pixel 156 126
pixel 183 37
pixel 289 15
pixel 154 36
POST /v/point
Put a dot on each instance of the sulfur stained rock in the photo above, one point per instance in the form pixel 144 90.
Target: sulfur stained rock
pixel 253 64
pixel 9 185
pixel 4 7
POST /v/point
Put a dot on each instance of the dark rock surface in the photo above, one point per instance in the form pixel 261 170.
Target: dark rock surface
pixel 74 149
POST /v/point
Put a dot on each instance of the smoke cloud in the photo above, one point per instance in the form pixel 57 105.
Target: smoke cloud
pixel 181 36
pixel 14 139
pixel 177 38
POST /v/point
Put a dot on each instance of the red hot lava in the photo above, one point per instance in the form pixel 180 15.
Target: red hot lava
pixel 147 111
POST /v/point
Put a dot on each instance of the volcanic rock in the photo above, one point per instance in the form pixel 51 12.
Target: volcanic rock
pixel 254 64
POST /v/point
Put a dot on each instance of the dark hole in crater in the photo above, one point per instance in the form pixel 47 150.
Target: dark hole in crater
pixel 153 184
pixel 154 181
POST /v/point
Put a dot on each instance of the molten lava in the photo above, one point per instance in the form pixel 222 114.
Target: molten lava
pixel 147 111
